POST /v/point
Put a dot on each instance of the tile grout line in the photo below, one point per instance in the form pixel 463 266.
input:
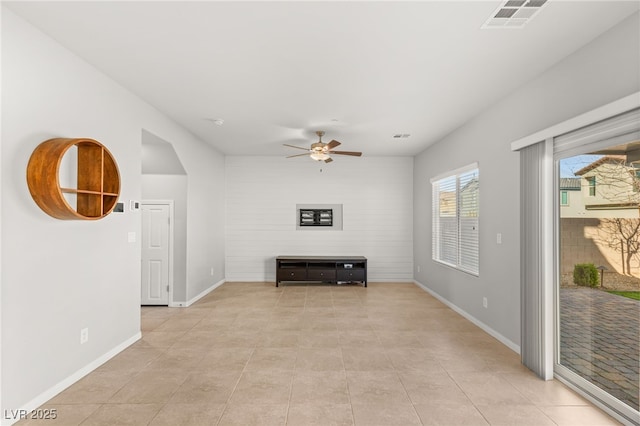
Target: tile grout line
pixel 403 360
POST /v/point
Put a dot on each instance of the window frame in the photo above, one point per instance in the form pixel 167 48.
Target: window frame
pixel 635 177
pixel 591 186
pixel 463 243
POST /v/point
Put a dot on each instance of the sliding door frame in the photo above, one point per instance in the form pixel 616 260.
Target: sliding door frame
pixel 549 325
pixel 597 395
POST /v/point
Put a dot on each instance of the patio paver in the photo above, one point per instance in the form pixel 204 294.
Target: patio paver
pixel 600 335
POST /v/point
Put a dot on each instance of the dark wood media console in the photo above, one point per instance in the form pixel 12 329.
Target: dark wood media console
pixel 331 269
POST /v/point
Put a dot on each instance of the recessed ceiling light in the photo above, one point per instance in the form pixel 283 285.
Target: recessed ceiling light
pixel 216 121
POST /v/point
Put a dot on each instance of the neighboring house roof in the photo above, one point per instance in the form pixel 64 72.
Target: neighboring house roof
pixel 611 159
pixel 572 184
pixel 471 185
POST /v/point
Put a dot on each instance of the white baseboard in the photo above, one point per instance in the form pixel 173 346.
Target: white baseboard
pixel 197 297
pixel 62 385
pixel 508 343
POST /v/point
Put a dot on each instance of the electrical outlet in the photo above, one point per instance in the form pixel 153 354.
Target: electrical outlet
pixel 499 238
pixel 212 271
pixel 84 336
pixel 485 303
pixel 418 268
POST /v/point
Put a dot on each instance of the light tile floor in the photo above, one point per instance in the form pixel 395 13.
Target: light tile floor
pixel 253 354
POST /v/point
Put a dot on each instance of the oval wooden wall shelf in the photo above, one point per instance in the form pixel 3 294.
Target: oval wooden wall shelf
pixel 98 179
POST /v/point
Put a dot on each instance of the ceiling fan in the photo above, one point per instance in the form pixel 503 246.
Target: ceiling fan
pixel 321 151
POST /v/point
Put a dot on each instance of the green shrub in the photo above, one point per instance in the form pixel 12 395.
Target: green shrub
pixel 585 274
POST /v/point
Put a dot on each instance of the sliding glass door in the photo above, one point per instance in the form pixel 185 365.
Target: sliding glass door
pixel 598 274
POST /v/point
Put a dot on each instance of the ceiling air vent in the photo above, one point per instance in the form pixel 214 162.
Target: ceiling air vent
pixel 514 14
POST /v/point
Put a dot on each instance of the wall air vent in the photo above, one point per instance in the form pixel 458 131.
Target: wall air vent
pixel 514 14
pixel 401 135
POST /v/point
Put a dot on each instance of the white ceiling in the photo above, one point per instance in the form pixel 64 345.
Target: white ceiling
pixel 278 71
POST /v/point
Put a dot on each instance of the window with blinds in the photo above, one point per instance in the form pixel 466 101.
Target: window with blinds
pixel 455 204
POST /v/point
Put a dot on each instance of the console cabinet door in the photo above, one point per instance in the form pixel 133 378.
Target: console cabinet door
pixel 292 274
pixel 321 274
pixel 355 274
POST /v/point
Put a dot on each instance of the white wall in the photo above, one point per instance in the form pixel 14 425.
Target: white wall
pixel 61 276
pixel 159 157
pixel 262 193
pixel 199 205
pixel 603 71
pixel 205 216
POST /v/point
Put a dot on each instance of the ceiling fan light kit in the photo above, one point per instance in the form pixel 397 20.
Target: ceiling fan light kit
pixel 319 156
pixel 320 151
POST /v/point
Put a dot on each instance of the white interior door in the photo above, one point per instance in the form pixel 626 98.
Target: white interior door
pixel 155 254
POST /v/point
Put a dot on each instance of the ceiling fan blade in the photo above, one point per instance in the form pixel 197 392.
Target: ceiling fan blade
pixel 297 155
pixel 293 146
pixel 333 144
pixel 355 154
pixel 328 160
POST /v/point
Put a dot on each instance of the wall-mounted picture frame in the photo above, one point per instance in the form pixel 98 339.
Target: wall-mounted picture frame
pixel 316 217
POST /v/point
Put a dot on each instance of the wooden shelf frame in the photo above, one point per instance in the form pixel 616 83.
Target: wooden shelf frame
pixel 98 179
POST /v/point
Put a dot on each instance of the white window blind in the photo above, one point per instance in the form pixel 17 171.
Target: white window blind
pixel 456 207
